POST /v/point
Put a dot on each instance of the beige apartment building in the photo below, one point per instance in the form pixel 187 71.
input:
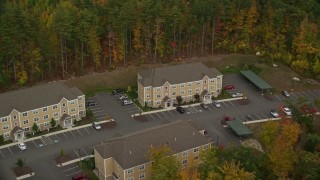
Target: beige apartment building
pixel 20 109
pixel 159 87
pixel 124 158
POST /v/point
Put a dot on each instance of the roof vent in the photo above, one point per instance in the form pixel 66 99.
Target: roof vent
pixel 175 138
pixel 130 152
pixel 193 133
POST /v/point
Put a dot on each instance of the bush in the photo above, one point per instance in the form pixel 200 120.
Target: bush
pixel 20 162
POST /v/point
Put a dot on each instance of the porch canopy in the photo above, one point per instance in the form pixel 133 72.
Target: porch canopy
pixel 239 128
pixel 256 80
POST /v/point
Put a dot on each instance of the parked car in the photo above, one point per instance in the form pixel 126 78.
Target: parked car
pixel 127 102
pixel 285 94
pixel 117 91
pixel 228 118
pixel 80 177
pixel 122 97
pixel 22 146
pixel 204 106
pixel 274 113
pixel 237 95
pixel 180 109
pixel 96 126
pixel 286 111
pixel 216 104
pixel 307 109
pixel 91 104
pixel 229 87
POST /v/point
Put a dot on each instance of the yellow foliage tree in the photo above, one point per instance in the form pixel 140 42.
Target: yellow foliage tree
pixel 269 132
pixel 232 171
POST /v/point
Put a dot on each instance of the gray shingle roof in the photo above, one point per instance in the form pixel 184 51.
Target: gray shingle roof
pixel 36 97
pixel 179 136
pixel 176 74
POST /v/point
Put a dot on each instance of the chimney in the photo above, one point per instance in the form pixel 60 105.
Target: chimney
pixel 193 133
pixel 130 152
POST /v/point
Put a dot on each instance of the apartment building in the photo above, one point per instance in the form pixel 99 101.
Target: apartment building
pixel 159 87
pixel 20 109
pixel 124 158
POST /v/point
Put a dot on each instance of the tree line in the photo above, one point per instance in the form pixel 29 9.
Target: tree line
pixel 46 39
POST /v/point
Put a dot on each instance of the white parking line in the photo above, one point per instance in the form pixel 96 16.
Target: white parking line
pixel 305 93
pixel 257 116
pixel 10 150
pixel 72 134
pixel 225 104
pixel 65 170
pixel 170 113
pixel 158 115
pixel 152 117
pixel 93 129
pixel 57 137
pixel 300 94
pixel 164 114
pixel 264 115
pixel 76 153
pixel 35 144
pixel 84 152
pixel 87 130
pixel 232 103
pixel 79 132
pixel 278 97
pixel 73 173
pixel 94 111
pixel 65 136
pixel 312 93
pixel 2 154
pixel 316 92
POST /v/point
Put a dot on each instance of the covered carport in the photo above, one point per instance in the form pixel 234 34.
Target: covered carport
pixel 239 128
pixel 256 80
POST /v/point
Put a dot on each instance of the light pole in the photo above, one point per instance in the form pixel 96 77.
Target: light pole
pixel 218 140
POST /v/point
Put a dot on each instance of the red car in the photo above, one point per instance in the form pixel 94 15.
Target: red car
pixel 80 177
pixel 229 87
pixel 228 118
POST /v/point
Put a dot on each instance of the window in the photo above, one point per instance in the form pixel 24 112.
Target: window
pixel 15 124
pixel 4 119
pixel 196 157
pixel 81 112
pixel 182 85
pixel 189 91
pixel 73 109
pixel 129 171
pixel 158 102
pixel 6 135
pixel 148 88
pixel 80 98
pixel 158 89
pixel 141 176
pixel 80 105
pixel 24 114
pixel 5 127
pixel 184 153
pixel 173 93
pixel 189 84
pixel 141 167
pixel 212 80
pixel 130 178
pixel 195 150
pixel 174 87
pixel 205 82
pixel 148 102
pixel 166 87
pixel 46 124
pixel 64 104
pixel 35 111
pixel 54 106
pixel 72 102
pixel 27 129
pixel 182 92
pixel 45 109
pixel 148 95
pixel 26 122
pixel 198 82
pixel 55 114
pixel 36 119
pixel 185 162
pixel 211 87
pixel 14 117
pixel 205 147
pixel 45 117
pixel 158 96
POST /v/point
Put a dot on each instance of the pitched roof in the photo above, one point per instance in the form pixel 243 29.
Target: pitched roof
pixel 36 97
pixel 131 150
pixel 176 74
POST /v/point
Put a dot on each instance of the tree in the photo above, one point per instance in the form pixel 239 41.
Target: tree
pixel 1 139
pixel 179 100
pixel 268 133
pixel 20 162
pixel 209 165
pixel 232 170
pixel 307 166
pixel 312 143
pixel 53 123
pixel 197 97
pixel 35 128
pixel 164 165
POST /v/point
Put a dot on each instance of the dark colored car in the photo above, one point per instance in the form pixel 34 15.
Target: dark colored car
pixel 117 91
pixel 180 110
pixel 228 118
pixel 80 177
pixel 229 87
pixel 285 94
pixel 91 104
pixel 204 106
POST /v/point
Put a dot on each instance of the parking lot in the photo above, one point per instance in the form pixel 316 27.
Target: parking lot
pixel 98 111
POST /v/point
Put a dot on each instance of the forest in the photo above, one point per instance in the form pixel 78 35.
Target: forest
pixel 55 39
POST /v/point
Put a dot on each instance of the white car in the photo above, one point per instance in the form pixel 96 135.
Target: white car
pixel 287 111
pixel 96 125
pixel 237 95
pixel 122 97
pixel 274 113
pixel 127 102
pixel 216 104
pixel 22 146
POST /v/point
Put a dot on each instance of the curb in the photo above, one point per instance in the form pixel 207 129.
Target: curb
pixel 25 176
pixel 261 120
pixel 56 132
pixel 74 160
pixel 184 106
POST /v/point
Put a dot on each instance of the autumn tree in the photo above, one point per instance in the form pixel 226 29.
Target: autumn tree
pixel 164 165
pixel 268 133
pixel 232 170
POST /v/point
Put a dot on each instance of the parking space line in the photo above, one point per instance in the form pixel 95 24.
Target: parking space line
pixel 79 132
pixel 2 154
pixel 231 103
pixel 87 130
pixel 65 135
pixel 305 93
pixel 76 153
pixel 72 134
pixel 57 138
pixel 73 173
pixel 164 114
pixel 170 113
pixel 35 144
pixel 151 116
pixel 158 115
pixel 84 151
pixel 94 111
pixel 294 94
pixel 10 150
pixel 257 116
pixel 278 97
pixel 263 115
pixel 312 93
pixel 300 94
pixel 65 170
pixel 316 92
pixel 225 104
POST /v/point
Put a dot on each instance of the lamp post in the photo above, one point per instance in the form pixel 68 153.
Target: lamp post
pixel 218 140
